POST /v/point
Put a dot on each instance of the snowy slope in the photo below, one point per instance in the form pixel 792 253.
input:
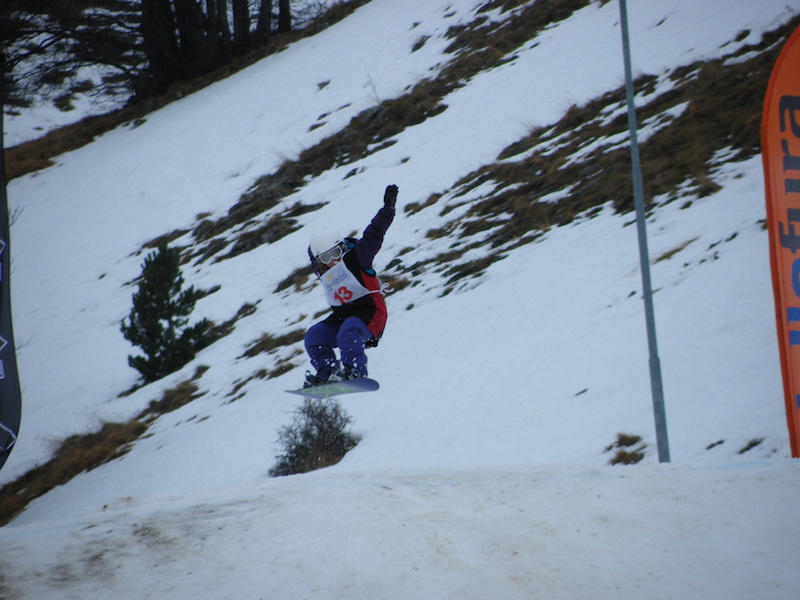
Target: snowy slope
pixel 670 532
pixel 482 468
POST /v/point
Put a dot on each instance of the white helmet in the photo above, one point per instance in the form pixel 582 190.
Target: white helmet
pixel 324 240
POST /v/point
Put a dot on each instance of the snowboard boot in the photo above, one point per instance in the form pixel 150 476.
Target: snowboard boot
pixel 335 376
pixel 312 380
pixel 352 373
pixel 344 374
pixel 327 373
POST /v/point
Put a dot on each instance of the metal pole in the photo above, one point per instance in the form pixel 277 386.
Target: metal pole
pixel 644 255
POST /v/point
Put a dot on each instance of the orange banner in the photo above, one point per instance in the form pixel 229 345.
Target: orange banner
pixel 780 141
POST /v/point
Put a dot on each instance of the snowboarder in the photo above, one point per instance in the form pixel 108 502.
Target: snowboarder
pixel 352 288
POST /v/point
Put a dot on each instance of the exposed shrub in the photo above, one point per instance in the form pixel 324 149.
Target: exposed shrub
pixel 626 457
pixel 751 444
pixel 625 453
pixel 625 440
pixel 317 437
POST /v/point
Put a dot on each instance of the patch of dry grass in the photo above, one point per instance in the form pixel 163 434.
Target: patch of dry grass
pixel 677 160
pixel 478 46
pixel 626 453
pixel 81 453
pixel 268 343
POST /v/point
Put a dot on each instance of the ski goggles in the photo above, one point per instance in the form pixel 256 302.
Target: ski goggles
pixel 331 255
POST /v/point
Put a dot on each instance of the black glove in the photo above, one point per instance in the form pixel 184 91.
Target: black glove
pixel 390 196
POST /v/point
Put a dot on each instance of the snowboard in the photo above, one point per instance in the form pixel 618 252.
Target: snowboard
pixel 330 390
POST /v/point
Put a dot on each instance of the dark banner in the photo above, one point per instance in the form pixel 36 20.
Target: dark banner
pixel 10 396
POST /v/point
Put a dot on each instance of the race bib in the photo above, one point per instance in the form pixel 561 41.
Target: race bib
pixel 341 285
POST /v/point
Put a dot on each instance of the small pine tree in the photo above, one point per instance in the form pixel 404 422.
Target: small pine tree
pixel 159 317
pixel 318 437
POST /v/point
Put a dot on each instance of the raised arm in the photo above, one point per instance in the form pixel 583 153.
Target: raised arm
pixel 372 240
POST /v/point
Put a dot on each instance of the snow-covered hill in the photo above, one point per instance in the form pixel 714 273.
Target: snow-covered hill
pixel 483 466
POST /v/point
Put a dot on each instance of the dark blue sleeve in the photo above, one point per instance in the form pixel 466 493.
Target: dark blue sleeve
pixel 372 240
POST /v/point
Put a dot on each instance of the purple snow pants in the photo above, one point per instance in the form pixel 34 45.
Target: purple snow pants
pixel 350 337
